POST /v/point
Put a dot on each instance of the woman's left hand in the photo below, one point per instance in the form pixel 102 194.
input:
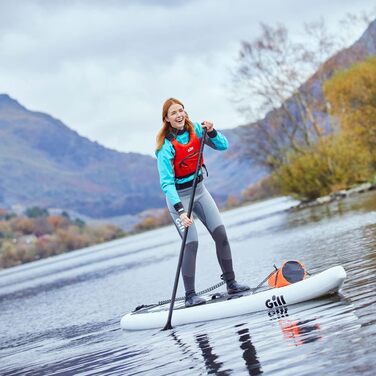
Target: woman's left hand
pixel 208 125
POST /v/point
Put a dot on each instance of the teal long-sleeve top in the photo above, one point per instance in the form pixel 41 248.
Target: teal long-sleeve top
pixel 166 155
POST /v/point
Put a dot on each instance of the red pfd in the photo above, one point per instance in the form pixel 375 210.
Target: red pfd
pixel 186 156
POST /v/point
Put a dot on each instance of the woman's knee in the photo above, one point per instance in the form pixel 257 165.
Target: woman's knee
pixel 220 236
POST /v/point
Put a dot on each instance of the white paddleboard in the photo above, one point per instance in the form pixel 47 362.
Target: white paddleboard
pixel 327 282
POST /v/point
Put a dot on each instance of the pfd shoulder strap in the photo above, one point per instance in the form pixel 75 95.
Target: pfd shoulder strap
pixel 171 137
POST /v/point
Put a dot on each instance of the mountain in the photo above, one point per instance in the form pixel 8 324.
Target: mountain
pixel 232 171
pixel 43 162
pixel 237 159
pixel 364 47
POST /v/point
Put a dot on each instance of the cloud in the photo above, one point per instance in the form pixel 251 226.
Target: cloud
pixel 105 68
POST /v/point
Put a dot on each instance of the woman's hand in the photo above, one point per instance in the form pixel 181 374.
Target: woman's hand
pixel 185 220
pixel 208 125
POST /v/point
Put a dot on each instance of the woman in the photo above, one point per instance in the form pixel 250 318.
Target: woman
pixel 178 144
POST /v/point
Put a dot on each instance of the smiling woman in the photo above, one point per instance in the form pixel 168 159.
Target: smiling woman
pixel 178 154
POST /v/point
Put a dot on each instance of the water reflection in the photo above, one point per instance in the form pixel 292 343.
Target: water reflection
pixel 212 361
pixel 212 364
pixel 296 332
pixel 281 328
pixel 300 332
pixel 249 352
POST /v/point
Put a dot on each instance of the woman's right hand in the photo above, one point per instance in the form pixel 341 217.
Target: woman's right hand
pixel 185 220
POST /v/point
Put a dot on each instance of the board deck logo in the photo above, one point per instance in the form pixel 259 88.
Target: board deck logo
pixel 275 301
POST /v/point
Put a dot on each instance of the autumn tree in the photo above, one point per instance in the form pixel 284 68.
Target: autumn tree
pixel 352 94
pixel 8 255
pixel 335 162
pixel 41 226
pixel 58 221
pixel 5 229
pixel 232 202
pixel 23 225
pixel 54 234
pixel 155 220
pixel 280 73
pixel 264 188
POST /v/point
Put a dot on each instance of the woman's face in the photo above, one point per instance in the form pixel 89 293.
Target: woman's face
pixel 176 116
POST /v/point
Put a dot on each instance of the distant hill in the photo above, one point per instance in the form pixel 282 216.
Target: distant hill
pixel 43 162
pixel 358 52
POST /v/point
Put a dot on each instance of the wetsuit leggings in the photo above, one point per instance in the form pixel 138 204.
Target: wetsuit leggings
pixel 207 211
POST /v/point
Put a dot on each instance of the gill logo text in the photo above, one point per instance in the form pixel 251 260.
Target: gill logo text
pixel 275 301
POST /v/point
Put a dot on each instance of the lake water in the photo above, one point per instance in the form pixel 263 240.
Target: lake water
pixel 60 316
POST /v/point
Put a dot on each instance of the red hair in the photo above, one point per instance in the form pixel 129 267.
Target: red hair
pixel 166 127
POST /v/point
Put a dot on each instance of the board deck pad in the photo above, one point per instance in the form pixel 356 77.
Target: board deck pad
pixel 210 299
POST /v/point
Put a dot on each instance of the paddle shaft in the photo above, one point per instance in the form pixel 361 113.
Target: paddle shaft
pixel 190 207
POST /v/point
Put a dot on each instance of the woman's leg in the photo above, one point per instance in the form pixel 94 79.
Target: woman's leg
pixel 190 250
pixel 207 211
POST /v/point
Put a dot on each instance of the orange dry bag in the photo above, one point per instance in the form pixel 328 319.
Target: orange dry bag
pixel 290 272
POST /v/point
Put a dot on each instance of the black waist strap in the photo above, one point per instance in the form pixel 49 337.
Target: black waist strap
pixel 188 184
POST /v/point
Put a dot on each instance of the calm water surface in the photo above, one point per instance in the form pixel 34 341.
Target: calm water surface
pixel 61 316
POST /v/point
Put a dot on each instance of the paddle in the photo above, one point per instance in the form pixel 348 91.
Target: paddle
pixel 168 323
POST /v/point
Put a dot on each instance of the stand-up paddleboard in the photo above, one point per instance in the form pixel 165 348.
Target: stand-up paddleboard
pixel 327 282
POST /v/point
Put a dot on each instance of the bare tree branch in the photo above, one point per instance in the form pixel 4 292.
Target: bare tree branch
pixel 279 74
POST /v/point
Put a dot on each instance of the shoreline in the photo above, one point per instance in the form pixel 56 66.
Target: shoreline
pixel 335 196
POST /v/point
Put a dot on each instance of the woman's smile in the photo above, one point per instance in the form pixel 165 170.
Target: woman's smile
pixel 176 116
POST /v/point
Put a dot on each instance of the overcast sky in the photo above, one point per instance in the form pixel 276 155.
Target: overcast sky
pixel 105 67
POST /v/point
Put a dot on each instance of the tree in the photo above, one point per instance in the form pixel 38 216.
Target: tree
pixel 147 223
pixel 8 255
pixel 57 221
pixel 264 188
pixel 36 212
pixel 5 229
pixel 79 223
pixel 41 226
pixel 232 202
pixel 335 162
pixel 23 225
pixel 65 214
pixel 154 220
pixel 275 72
pixel 352 94
pixel 3 213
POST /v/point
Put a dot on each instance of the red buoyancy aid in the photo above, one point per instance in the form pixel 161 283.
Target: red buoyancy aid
pixel 186 156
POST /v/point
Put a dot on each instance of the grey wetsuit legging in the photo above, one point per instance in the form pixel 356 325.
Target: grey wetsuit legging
pixel 207 211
